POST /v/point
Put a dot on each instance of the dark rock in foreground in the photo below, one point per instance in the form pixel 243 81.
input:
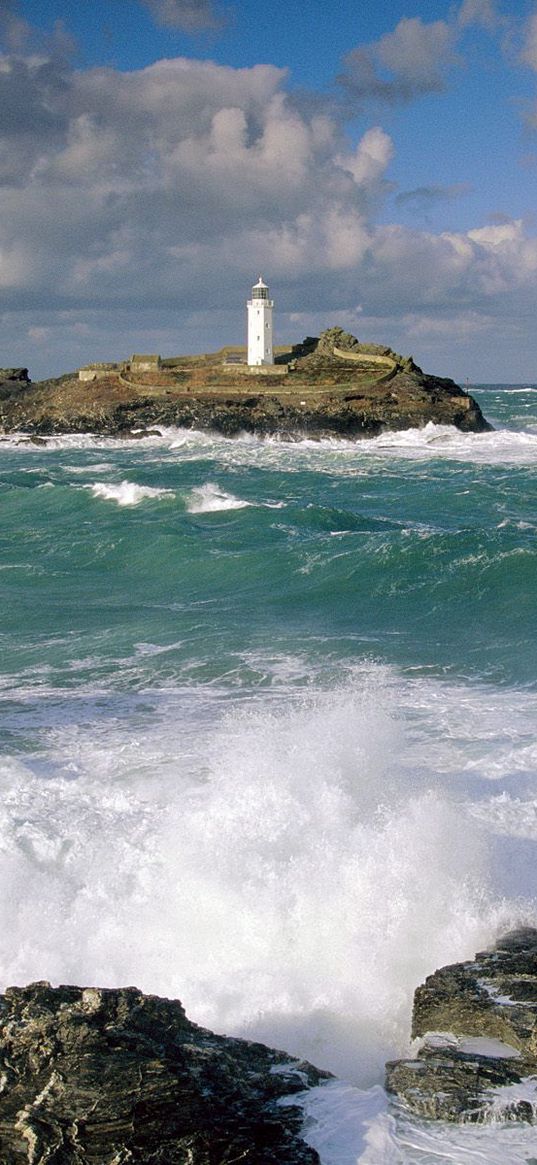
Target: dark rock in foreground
pixel 110 1077
pixel 478 1025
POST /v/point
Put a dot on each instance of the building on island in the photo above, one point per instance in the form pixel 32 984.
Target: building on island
pixel 260 325
pixel 97 371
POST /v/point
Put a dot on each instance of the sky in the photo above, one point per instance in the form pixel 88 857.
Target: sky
pixel 376 163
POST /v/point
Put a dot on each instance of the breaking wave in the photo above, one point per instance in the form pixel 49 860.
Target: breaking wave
pixel 126 493
pixel 209 499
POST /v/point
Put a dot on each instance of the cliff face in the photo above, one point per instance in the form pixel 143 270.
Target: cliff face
pixel 110 1077
pixel 316 395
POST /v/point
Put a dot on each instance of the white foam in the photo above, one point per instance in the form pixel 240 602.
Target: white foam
pixel 402 1140
pixel 493 991
pixel 338 1121
pixel 261 862
pixel 95 467
pixel 500 446
pixel 209 499
pixel 505 1097
pixel 348 1126
pixel 512 816
pixel 126 493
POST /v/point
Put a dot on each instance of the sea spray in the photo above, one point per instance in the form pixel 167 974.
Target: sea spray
pixel 277 870
pixel 208 498
pixel 126 493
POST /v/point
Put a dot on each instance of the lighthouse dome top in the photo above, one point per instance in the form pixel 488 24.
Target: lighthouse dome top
pixel 260 289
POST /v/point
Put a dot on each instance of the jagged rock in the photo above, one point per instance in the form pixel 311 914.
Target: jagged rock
pixel 13 381
pixel 336 338
pixel 477 1026
pixel 110 1077
pixel 14 374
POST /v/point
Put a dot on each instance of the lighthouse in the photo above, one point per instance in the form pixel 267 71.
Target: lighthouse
pixel 260 325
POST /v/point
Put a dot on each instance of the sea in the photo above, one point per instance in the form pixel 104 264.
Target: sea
pixel 268 736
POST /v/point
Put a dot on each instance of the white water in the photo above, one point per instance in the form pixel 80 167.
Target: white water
pixel 500 447
pixel 208 499
pixel 286 866
pixel 126 493
pixel 351 1127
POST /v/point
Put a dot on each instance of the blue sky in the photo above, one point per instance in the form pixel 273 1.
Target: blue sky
pixel 377 162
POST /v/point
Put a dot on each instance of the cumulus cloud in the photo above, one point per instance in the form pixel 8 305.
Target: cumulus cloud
pixel 371 157
pixel 479 12
pixel 409 62
pixel 187 15
pixel 137 207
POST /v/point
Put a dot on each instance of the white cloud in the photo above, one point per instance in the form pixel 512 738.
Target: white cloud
pixel 40 335
pixel 188 15
pixel 371 157
pixel 160 193
pixel 407 63
pixel 480 12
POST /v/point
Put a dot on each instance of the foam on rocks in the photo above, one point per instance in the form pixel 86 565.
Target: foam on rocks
pixel 476 1023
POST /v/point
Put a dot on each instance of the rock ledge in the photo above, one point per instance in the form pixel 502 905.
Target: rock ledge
pixel 477 1027
pixel 115 1077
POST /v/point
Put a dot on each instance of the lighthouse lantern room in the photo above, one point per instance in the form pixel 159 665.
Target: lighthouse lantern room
pixel 260 325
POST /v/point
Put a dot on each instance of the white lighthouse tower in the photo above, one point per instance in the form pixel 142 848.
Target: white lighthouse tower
pixel 260 325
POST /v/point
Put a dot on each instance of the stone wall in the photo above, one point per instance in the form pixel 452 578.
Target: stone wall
pixel 96 371
pixel 256 369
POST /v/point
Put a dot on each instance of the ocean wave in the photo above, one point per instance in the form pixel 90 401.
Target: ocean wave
pixel 500 446
pixel 92 467
pixel 209 499
pixel 126 493
pixel 339 455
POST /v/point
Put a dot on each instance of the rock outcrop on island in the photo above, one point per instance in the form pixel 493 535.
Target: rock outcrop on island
pixel 13 381
pixel 477 1027
pixel 328 386
pixel 110 1077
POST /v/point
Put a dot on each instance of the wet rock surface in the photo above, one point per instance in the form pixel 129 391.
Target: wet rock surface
pixel 110 1077
pixel 477 1026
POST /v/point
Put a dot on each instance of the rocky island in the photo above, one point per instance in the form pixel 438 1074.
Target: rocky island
pixel 327 386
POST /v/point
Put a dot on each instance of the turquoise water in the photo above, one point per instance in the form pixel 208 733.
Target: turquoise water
pixel 268 728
